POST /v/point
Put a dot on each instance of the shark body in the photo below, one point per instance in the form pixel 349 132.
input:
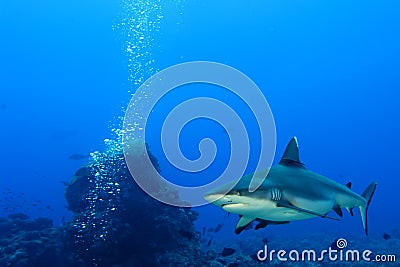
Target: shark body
pixel 289 192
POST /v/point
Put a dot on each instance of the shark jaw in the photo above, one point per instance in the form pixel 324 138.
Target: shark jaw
pixel 289 192
pixel 229 202
pixel 234 207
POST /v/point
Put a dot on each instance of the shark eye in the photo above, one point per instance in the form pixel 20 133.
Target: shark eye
pixel 236 193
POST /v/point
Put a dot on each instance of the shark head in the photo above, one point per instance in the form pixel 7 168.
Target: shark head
pixel 233 201
pixel 227 196
pixel 242 201
pixel 237 198
pixel 249 205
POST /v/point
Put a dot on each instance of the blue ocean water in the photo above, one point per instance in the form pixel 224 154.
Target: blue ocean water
pixel 329 71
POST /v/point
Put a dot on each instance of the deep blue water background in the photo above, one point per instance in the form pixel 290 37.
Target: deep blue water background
pixel 329 70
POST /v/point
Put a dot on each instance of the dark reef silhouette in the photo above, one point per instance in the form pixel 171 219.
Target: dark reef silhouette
pixel 114 224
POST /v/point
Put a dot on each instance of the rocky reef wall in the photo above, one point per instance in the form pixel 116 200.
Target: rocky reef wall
pixel 114 224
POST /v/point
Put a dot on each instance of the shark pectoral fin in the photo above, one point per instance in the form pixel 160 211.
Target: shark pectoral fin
pixel 338 210
pixel 242 224
pixel 290 206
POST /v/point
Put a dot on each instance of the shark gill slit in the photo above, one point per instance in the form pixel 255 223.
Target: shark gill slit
pixel 276 194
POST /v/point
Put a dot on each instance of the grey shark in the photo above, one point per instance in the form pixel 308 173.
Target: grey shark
pixel 287 193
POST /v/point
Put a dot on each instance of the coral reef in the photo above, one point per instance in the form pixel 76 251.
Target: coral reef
pixel 116 223
pixel 27 242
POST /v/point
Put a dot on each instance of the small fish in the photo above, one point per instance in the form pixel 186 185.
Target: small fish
pixel 265 240
pixel 204 230
pixel 233 264
pixel 218 228
pixel 209 242
pixel 78 156
pixel 227 252
pixel 210 230
pixel 386 236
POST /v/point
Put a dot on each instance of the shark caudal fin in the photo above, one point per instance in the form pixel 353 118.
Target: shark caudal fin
pixel 367 195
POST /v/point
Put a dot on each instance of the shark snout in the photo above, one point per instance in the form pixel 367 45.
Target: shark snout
pixel 220 195
pixel 213 197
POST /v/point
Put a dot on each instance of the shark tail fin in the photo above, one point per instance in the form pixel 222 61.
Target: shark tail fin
pixel 367 195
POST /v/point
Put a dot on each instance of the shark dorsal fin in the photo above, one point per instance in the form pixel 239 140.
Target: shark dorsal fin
pixel 291 156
